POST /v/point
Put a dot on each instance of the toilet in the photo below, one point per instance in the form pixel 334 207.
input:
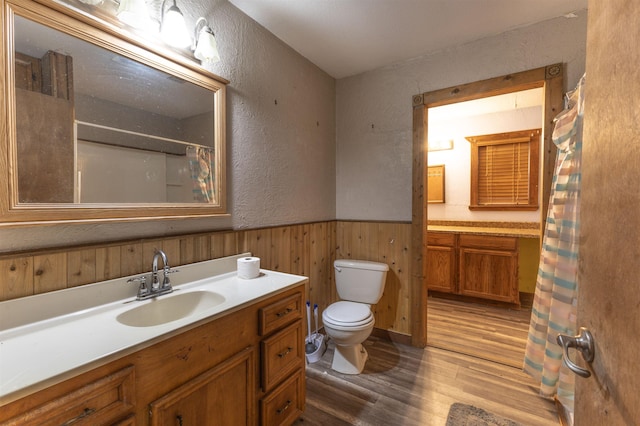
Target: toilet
pixel 349 322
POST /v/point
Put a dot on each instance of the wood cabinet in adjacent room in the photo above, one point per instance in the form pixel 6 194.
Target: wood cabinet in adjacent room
pixel 489 267
pixel 480 266
pixel 441 261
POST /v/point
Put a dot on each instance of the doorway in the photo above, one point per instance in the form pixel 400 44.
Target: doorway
pixel 550 80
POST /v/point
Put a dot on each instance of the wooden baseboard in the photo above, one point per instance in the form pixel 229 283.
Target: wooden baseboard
pixel 392 336
pixel 478 300
pixel 526 300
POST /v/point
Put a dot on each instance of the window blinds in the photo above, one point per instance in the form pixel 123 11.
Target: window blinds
pixel 503 173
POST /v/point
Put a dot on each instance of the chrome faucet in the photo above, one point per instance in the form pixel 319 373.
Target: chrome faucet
pixel 155 284
pixel 154 288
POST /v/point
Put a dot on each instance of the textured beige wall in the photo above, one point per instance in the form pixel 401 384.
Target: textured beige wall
pixel 281 126
pixel 374 127
pixel 280 141
pixel 303 148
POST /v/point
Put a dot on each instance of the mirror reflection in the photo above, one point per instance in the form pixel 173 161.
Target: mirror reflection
pixel 94 126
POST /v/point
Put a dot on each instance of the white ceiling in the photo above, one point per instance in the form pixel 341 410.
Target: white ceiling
pixel 348 37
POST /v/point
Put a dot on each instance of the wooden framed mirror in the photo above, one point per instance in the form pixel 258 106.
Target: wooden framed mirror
pixel 99 127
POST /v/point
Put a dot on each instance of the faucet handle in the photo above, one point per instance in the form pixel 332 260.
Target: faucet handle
pixel 143 289
pixel 166 282
pixel 142 280
pixel 170 270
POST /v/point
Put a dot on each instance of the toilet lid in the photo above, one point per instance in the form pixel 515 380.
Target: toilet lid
pixel 348 313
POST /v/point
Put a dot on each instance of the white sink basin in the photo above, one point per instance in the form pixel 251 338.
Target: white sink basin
pixel 170 308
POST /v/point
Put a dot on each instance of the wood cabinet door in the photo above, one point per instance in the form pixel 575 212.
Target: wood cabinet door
pixel 489 274
pixel 440 273
pixel 28 73
pixel 223 395
pixel 49 151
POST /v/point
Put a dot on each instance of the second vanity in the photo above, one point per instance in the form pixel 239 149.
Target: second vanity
pixel 479 260
pixel 229 351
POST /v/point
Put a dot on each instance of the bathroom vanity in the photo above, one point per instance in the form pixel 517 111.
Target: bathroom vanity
pixel 479 262
pixel 235 359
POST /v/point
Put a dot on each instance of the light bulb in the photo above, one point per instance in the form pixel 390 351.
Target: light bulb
pixel 174 29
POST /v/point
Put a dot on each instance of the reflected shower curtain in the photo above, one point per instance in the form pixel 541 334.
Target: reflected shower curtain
pixel 201 173
pixel 554 304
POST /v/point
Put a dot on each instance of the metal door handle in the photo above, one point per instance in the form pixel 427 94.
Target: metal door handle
pixel 583 343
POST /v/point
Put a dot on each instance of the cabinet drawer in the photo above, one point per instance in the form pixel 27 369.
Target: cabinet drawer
pixel 441 239
pixel 489 242
pixel 285 404
pixel 101 402
pixel 282 353
pixel 280 313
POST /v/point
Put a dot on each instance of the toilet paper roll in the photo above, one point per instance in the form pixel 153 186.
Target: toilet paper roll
pixel 248 267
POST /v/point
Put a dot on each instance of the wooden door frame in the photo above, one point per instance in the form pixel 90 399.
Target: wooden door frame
pixel 551 79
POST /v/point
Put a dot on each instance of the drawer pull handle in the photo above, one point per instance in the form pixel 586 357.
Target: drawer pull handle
pixel 285 353
pixel 179 419
pixel 283 313
pixel 86 412
pixel 285 408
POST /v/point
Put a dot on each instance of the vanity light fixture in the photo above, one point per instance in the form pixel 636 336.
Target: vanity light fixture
pixel 204 43
pixel 173 28
pixel 135 14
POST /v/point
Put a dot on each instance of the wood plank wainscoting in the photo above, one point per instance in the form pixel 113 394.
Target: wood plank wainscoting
pixel 305 249
pixel 427 380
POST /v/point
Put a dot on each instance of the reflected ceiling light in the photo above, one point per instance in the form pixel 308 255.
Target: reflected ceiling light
pixel 135 14
pixel 205 47
pixel 173 28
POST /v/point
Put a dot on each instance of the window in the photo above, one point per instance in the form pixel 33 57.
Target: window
pixel 504 170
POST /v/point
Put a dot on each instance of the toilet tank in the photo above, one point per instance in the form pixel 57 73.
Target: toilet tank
pixel 360 280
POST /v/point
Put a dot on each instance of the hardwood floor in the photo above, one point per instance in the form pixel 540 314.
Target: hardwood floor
pixel 403 385
pixel 493 333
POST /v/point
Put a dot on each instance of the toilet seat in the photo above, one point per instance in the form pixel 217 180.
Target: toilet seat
pixel 348 315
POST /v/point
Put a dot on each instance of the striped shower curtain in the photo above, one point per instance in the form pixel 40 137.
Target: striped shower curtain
pixel 201 165
pixel 554 304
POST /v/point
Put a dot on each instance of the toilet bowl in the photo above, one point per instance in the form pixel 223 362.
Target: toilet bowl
pixel 348 324
pixel 350 321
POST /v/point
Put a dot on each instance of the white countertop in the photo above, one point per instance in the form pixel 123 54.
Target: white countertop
pixel 51 337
